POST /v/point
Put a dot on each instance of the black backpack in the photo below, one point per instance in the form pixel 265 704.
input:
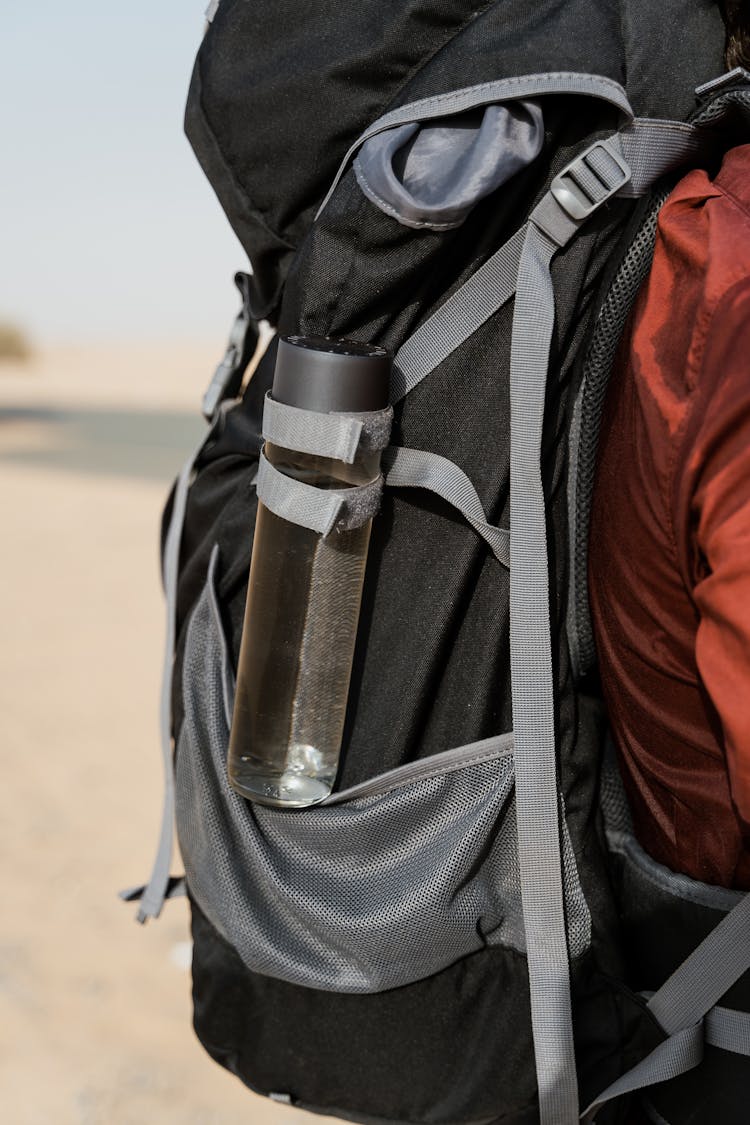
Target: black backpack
pixel 467 932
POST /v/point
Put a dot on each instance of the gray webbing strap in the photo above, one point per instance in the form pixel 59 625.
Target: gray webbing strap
pixel 537 802
pixel 416 468
pixel 320 510
pixel 684 1002
pixel 339 436
pixel 588 181
pixel 722 1027
pixel 676 1055
pixel 728 1030
pixel 700 981
pixel 501 90
pixel 458 317
pixel 153 897
pixel 653 147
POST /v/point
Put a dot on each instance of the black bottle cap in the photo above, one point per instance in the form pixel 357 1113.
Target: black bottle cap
pixel 343 376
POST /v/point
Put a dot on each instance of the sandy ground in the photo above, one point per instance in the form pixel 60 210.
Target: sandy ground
pixel 94 1010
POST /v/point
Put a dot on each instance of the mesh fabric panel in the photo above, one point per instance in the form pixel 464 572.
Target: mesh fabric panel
pixel 363 895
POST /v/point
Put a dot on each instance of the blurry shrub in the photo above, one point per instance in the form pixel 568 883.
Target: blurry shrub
pixel 13 342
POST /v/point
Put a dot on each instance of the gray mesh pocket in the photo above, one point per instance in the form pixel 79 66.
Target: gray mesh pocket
pixel 382 885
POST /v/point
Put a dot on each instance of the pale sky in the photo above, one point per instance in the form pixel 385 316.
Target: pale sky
pixel 108 228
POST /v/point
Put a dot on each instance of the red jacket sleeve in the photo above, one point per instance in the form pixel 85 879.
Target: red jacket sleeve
pixel 718 468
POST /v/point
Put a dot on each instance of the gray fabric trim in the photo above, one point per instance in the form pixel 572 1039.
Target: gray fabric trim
pixel 458 317
pixel 416 468
pixel 321 510
pixel 621 841
pixel 211 10
pixel 533 692
pixel 678 1054
pixel 432 176
pixel 437 765
pixel 504 89
pixel 339 436
pixel 728 1030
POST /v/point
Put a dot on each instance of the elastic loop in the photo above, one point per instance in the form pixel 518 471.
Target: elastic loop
pixel 338 436
pixel 318 509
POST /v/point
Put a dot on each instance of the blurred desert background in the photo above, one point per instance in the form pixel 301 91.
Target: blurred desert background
pixel 94 1009
pixel 115 268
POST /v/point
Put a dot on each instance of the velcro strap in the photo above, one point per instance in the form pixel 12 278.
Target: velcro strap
pixel 319 509
pixel 339 436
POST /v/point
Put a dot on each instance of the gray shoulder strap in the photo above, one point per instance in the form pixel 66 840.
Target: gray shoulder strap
pixel 584 185
pixel 537 805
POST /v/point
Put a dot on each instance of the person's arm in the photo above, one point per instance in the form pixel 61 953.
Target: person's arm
pixel 718 466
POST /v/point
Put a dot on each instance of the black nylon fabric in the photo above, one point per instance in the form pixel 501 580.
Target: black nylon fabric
pixel 379 1058
pixel 431 671
pixel 660 931
pixel 277 97
pixel 280 92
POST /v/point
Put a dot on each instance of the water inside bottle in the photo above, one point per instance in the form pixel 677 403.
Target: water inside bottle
pixel 297 649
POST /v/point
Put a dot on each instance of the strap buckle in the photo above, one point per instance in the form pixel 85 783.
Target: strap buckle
pixel 589 180
pixel 737 77
pixel 218 387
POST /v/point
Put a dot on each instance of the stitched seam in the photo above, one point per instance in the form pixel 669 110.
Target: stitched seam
pixel 422 63
pixel 235 182
pixel 732 198
pixel 389 209
pixel 676 448
pixel 463 763
pixel 594 82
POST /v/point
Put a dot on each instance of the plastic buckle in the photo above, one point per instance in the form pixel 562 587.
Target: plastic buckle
pixel 217 388
pixel 737 77
pixel 581 188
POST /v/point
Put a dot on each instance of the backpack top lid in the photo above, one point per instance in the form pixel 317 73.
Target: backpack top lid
pixel 280 92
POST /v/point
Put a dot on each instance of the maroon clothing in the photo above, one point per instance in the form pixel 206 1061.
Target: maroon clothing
pixel 669 572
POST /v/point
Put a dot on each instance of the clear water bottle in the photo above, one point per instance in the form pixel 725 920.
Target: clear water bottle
pixel 304 593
